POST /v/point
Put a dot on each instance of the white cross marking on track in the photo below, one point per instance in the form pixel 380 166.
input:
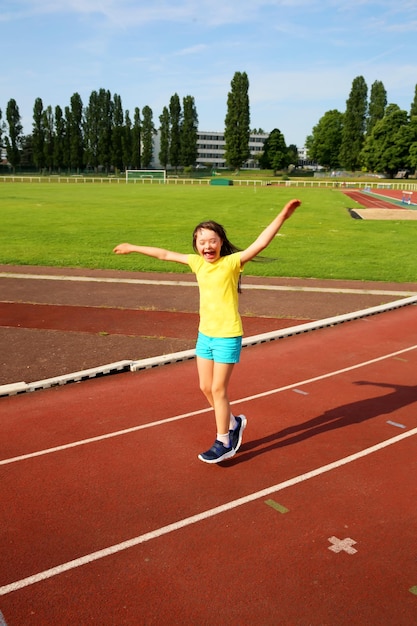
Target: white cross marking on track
pixel 342 544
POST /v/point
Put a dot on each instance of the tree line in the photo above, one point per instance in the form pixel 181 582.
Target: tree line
pixel 101 136
pixel 370 134
pixel 98 136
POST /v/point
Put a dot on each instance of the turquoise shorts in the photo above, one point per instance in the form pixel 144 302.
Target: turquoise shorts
pixel 219 349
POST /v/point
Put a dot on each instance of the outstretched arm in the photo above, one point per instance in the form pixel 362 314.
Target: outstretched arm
pixel 269 233
pixel 157 253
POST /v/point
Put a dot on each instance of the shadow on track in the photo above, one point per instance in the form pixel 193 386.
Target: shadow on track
pixel 338 417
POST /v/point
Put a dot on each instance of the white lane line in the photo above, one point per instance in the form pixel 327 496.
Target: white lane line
pixel 199 517
pixel 183 283
pixel 396 424
pixel 175 418
pixel 117 433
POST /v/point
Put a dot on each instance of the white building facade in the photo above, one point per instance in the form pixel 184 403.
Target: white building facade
pixel 211 148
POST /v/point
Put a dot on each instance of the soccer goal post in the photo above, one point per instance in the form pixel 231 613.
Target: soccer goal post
pixel 143 176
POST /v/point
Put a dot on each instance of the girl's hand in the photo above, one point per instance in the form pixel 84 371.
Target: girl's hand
pixel 289 208
pixel 123 248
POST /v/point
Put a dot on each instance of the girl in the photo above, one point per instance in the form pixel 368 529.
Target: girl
pixel 217 266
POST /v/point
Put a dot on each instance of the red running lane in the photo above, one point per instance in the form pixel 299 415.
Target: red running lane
pixel 120 321
pixel 368 201
pixel 313 522
pixel 371 201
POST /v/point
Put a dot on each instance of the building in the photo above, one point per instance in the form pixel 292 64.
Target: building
pixel 211 147
pixel 303 160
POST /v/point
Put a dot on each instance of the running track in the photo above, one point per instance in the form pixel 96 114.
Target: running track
pixel 380 198
pixel 108 517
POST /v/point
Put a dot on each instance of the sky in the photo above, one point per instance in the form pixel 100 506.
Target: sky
pixel 300 56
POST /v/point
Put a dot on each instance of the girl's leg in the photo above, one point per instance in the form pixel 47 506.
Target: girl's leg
pixel 221 377
pixel 205 377
pixel 214 379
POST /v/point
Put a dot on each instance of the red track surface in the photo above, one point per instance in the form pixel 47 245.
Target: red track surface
pixel 371 202
pixel 115 321
pixel 109 518
pixel 368 201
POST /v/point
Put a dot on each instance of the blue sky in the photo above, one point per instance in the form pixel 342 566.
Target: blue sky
pixel 301 56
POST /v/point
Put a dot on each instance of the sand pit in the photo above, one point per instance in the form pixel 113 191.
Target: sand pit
pixel 384 214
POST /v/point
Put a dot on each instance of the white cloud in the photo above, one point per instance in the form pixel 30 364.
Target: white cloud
pixel 301 56
pixel 192 50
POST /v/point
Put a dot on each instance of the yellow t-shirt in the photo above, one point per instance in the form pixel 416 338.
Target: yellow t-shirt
pixel 217 282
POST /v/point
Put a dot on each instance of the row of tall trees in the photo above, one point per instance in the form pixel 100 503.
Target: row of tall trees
pixel 178 133
pixel 100 135
pixel 370 134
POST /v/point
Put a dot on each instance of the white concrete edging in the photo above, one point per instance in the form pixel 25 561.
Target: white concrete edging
pixel 186 355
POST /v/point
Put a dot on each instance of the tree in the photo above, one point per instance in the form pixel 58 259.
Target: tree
pixel 98 129
pixel 26 152
pixel 136 140
pixel 76 139
pixel 353 134
pixel 189 128
pixel 148 131
pixel 275 154
pixel 325 141
pixel 164 145
pixel 117 133
pixel 105 125
pixel 292 151
pixel 175 133
pixel 59 146
pixel 412 157
pixel 48 146
pixel 2 127
pixel 377 105
pixel 413 110
pixel 38 134
pixel 127 141
pixel 66 148
pixel 13 141
pixel 91 131
pixel 387 148
pixel 237 122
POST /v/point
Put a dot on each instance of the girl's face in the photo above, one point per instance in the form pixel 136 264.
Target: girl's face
pixel 208 244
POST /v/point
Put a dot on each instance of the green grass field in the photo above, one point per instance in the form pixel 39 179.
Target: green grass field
pixel 79 225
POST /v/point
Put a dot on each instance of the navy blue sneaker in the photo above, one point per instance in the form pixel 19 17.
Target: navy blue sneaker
pixel 236 434
pixel 218 452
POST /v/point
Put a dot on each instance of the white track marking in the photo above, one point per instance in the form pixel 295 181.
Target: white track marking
pixel 342 545
pixel 194 519
pixel 183 283
pixel 175 418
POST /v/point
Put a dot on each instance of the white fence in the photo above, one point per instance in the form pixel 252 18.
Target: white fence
pixel 311 183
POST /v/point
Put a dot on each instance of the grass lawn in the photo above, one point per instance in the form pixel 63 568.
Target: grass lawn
pixel 78 225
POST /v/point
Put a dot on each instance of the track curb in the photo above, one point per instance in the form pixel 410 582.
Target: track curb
pixel 186 355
